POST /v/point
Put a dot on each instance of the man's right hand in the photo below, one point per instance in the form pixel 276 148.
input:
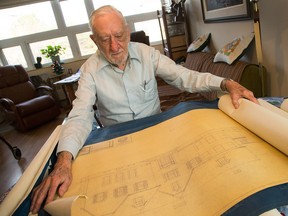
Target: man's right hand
pixel 58 180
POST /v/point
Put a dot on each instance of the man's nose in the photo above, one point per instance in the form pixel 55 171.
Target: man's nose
pixel 114 44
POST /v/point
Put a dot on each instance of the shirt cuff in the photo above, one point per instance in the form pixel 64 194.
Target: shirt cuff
pixel 215 83
pixel 72 148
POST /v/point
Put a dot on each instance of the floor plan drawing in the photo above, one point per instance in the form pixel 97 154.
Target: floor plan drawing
pixel 171 173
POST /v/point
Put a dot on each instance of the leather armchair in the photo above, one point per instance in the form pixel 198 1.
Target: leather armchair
pixel 140 36
pixel 22 102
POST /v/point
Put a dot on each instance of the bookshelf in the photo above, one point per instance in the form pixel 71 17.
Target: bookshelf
pixel 174 32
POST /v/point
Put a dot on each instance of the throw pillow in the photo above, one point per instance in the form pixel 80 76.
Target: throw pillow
pixel 234 50
pixel 200 43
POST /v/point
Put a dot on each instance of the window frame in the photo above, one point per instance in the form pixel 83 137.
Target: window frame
pixel 70 32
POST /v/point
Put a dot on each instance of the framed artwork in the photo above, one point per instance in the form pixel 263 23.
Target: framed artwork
pixel 226 10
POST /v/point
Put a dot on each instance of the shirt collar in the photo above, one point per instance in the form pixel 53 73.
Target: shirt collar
pixel 102 60
pixel 133 54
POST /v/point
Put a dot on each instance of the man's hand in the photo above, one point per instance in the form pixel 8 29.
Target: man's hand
pixel 238 91
pixel 58 180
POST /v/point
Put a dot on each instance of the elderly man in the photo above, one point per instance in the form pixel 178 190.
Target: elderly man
pixel 120 77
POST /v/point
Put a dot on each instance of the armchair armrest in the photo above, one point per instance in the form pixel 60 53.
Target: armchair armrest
pixel 47 88
pixel 42 90
pixel 7 105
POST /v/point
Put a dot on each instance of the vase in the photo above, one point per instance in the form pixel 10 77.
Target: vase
pixel 55 58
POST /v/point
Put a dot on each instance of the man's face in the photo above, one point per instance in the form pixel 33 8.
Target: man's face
pixel 112 38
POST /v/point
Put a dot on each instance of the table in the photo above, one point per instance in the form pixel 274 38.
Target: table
pixel 259 202
pixel 68 84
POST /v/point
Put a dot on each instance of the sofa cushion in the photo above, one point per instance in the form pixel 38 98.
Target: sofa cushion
pixel 198 60
pixel 233 50
pixel 199 43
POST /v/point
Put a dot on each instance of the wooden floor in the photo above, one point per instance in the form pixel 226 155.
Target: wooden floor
pixel 29 143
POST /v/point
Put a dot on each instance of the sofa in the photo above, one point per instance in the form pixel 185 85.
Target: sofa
pixel 245 73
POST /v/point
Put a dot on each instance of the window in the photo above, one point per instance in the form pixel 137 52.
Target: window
pixel 74 12
pixel 87 46
pixel 25 20
pixel 63 41
pixel 14 56
pixel 139 6
pixel 30 28
pixel 151 28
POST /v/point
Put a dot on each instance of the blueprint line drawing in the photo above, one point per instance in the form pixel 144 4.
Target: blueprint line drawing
pixel 180 166
pixel 168 175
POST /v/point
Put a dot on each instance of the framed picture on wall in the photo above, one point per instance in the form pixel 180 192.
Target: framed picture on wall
pixel 226 10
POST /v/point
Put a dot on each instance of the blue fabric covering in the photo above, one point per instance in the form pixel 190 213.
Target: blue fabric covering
pixel 256 204
pixel 261 202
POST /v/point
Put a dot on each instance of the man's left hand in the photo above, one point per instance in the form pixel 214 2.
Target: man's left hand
pixel 238 91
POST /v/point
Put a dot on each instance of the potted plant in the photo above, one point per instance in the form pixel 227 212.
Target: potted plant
pixel 53 52
pixel 57 68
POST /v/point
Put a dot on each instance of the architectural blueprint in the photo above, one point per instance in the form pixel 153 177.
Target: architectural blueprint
pixel 199 163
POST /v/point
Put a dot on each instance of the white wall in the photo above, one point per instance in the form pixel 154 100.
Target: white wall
pixel 274 28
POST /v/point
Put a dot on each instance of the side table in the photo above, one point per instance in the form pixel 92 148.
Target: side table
pixel 68 83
